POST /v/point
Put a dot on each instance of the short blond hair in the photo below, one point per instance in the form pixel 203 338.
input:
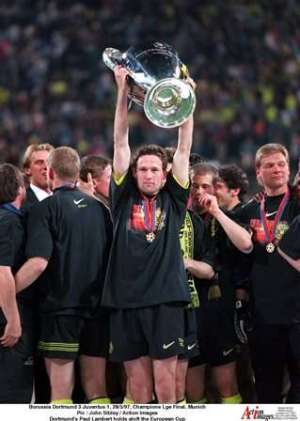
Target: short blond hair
pixel 65 162
pixel 26 161
pixel 269 149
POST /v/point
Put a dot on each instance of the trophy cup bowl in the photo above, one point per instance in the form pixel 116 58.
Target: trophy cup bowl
pixel 158 81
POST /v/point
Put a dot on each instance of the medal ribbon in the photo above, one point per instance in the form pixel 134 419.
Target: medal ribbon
pixel 270 233
pixel 149 207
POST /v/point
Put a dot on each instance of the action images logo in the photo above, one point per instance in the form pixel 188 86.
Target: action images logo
pixel 256 414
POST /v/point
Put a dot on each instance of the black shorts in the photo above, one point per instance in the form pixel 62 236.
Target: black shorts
pixel 191 348
pixel 16 369
pixel 273 349
pixel 283 340
pixel 216 336
pixel 155 331
pixel 66 337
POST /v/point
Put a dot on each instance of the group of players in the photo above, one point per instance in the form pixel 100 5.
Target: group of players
pixel 159 277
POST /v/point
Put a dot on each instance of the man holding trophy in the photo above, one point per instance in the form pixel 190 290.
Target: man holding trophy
pixel 146 285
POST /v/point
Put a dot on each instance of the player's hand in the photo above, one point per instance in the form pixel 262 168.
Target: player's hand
pixel 242 321
pixel 187 262
pixel 88 186
pixel 258 197
pixel 191 82
pixel 209 203
pixel 121 75
pixel 12 334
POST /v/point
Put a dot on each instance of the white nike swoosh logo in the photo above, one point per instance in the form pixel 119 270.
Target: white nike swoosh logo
pixel 271 213
pixel 78 201
pixel 229 351
pixel 190 347
pixel 29 361
pixel 167 346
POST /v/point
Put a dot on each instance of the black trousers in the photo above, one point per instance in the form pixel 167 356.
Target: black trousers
pixel 273 349
pixel 16 370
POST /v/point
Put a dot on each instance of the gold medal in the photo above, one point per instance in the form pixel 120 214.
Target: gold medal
pixel 150 237
pixel 270 247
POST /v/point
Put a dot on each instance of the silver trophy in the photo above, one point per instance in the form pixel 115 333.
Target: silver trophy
pixel 158 81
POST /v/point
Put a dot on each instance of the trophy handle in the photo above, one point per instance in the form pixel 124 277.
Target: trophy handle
pixel 112 58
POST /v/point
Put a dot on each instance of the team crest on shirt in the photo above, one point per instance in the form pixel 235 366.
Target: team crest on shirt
pixel 259 234
pixel 29 361
pixel 160 219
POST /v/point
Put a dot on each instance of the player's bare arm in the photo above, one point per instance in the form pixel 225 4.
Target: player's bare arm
pixel 121 160
pixel 30 272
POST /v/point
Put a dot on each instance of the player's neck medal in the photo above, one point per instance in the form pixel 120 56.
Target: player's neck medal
pixel 270 247
pixel 149 207
pixel 150 236
pixel 270 226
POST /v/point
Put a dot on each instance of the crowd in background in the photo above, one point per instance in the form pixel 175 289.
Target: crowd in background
pixel 244 56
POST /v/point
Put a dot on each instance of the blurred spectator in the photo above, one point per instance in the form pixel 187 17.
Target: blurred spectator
pixel 54 87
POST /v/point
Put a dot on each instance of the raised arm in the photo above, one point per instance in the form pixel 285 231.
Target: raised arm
pixel 8 304
pixel 238 235
pixel 121 159
pixel 180 166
